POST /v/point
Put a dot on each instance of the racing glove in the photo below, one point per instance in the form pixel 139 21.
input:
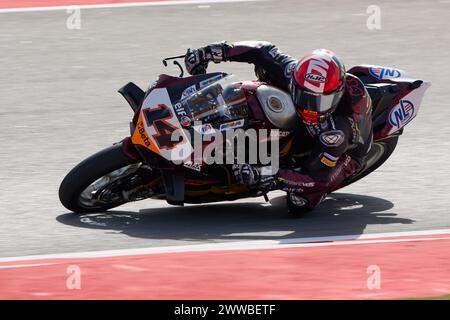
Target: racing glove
pixel 196 60
pixel 255 177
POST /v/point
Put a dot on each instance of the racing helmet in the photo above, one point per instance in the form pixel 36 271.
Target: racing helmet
pixel 317 85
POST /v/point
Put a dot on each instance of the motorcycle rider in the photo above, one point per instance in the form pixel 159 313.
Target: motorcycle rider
pixel 333 105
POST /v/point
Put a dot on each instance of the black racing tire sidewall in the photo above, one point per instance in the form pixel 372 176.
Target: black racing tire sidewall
pixel 87 172
pixel 388 148
pixel 389 145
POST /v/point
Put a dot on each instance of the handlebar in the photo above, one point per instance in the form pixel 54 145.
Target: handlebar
pixel 175 63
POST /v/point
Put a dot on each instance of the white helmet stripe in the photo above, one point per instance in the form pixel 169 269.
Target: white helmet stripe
pixel 320 66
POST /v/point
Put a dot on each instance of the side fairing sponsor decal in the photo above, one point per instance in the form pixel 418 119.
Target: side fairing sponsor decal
pixel 401 114
pixel 180 110
pixel 232 125
pixel 188 92
pixel 185 121
pixel 206 128
pixel 140 136
pixel 193 165
pixel 162 126
pixel 279 133
pixel 406 110
pixel 384 73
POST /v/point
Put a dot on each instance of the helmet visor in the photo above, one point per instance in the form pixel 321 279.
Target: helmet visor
pixel 318 102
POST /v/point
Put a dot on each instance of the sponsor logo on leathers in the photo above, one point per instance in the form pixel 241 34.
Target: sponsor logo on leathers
pixel 289 69
pixel 332 138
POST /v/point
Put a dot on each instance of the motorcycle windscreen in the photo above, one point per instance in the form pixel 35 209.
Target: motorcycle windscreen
pixel 211 108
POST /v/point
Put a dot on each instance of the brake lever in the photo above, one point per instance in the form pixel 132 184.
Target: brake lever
pixel 175 63
pixel 181 68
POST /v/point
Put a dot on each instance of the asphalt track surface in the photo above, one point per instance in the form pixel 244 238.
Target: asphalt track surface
pixel 58 105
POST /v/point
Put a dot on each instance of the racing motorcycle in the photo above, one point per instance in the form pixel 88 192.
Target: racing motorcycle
pixel 144 164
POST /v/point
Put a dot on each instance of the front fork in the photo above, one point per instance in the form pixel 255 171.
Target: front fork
pixel 172 178
pixel 129 149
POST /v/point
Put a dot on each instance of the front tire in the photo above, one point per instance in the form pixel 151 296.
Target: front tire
pixel 85 174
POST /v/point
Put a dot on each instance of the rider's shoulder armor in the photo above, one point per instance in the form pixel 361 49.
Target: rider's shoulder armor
pixel 356 108
pixel 356 98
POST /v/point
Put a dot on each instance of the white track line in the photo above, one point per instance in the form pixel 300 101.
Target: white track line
pixel 16 266
pixel 120 5
pixel 246 245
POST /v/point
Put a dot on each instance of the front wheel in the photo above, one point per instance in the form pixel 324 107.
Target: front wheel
pixel 96 184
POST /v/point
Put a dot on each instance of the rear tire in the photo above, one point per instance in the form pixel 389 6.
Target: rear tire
pixel 89 171
pixel 380 152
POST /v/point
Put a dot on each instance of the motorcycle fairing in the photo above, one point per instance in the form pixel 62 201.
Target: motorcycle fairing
pixel 159 121
pixel 155 134
pixel 405 110
pixel 405 104
pixel 177 86
pixel 140 136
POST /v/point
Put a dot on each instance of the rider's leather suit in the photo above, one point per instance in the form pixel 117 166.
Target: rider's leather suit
pixel 339 144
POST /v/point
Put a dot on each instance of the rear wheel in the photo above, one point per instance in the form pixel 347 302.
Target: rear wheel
pixel 379 153
pixel 96 184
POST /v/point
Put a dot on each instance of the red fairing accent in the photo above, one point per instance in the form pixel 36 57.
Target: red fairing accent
pixel 251 85
pixel 164 80
pixel 200 182
pixel 249 88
